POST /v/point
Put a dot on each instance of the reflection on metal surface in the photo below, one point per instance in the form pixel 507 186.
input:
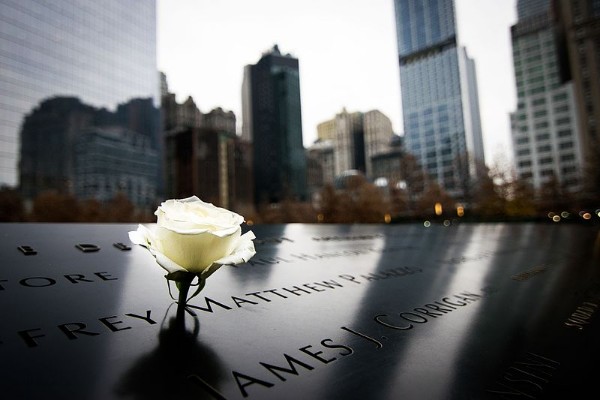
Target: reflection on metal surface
pixel 323 311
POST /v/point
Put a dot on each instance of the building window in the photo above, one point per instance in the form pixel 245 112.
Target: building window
pixel 566 145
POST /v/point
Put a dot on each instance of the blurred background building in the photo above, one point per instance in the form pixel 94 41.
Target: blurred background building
pixel 203 155
pixel 547 147
pixel 272 122
pixel 440 104
pixel 85 55
pixel 578 38
pixel 80 124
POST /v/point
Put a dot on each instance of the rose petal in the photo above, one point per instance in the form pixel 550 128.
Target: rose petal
pixel 143 236
pixel 168 264
pixel 190 234
pixel 243 251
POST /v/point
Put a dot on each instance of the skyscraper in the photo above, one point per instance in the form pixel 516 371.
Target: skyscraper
pixel 579 49
pixel 439 94
pixel 272 121
pixel 101 53
pixel 546 145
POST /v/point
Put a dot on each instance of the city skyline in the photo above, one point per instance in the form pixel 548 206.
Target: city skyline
pixel 355 68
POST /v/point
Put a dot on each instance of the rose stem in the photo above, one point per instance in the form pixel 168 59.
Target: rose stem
pixel 184 287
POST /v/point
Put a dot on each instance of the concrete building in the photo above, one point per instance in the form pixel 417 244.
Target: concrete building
pixel 356 137
pixel 349 142
pixel 378 134
pixel 578 23
pixel 321 165
pixel 546 143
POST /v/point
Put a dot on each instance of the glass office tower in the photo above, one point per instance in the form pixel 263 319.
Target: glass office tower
pixel 273 123
pixel 439 95
pixel 88 54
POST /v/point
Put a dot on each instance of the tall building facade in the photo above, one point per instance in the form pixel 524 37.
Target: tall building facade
pixel 321 165
pixel 203 154
pixel 349 142
pixel 439 94
pixel 101 53
pixel 378 134
pixel 547 147
pixel 111 161
pixel 579 48
pixel 91 153
pixel 355 137
pixel 200 161
pixel 272 122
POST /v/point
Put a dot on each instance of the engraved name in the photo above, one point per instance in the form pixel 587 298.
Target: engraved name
pixel 525 378
pixel 46 281
pixel 525 275
pixel 582 315
pixel 304 289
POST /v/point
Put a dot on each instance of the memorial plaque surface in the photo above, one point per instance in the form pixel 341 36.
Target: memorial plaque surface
pixel 471 311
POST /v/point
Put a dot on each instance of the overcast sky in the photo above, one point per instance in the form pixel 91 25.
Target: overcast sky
pixel 346 50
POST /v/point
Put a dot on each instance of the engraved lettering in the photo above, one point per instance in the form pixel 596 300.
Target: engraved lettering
pixel 313 287
pixel 72 329
pixel 438 308
pixel 274 291
pixel 2 280
pixel 291 370
pixel 329 284
pixel 379 320
pixel 211 390
pixel 581 315
pixel 111 324
pixel 122 246
pixel 445 305
pixel 526 377
pixel 509 391
pixel 316 355
pixel 255 262
pixel 87 247
pixel 295 290
pixel 105 276
pixel 259 296
pixel 419 320
pixel 304 257
pixel 29 338
pixel 27 250
pixel 371 277
pixel 325 343
pixel 509 377
pixel 247 381
pixel 427 312
pixel 239 301
pixel 146 318
pixel 74 278
pixel 349 278
pixel 378 344
pixel 32 282
pixel 447 301
pixel 208 307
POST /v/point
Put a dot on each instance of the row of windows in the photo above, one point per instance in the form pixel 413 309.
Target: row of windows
pixel 545 148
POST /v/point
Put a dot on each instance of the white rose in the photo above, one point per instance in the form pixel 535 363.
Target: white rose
pixel 194 236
